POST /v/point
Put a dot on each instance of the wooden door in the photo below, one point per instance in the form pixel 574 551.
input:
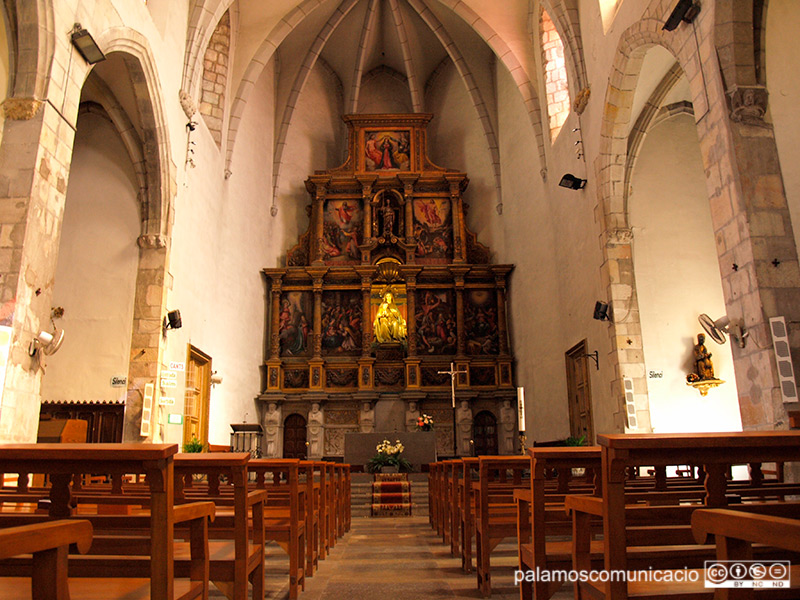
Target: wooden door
pixel 294 437
pixel 197 396
pixel 484 433
pixel 580 393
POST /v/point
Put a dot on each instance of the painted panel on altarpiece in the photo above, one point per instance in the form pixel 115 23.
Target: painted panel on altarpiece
pixel 433 228
pixel 342 231
pixel 388 150
pixel 342 316
pixel 436 322
pixel 295 325
pixel 480 322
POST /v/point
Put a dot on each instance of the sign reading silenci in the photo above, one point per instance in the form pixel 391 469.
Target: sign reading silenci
pixel 655 374
pixel 119 381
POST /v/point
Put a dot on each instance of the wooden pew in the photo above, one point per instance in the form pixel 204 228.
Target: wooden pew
pixel 495 508
pixel 466 508
pixel 453 500
pixel 65 464
pixel 237 555
pixel 734 534
pixel 307 471
pixel 49 544
pixel 543 527
pixel 641 536
pixel 285 513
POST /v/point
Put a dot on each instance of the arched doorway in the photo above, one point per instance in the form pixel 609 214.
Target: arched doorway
pixel 484 433
pixel 294 437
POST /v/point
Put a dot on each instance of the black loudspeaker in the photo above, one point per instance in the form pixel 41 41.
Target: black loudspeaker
pixel 602 311
pixel 174 319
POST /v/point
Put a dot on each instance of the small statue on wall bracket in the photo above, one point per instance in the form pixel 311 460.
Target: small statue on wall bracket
pixel 703 377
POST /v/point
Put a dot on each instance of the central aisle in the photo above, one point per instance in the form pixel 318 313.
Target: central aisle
pixel 402 558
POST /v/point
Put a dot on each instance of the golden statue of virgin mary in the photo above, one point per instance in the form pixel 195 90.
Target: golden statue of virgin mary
pixel 389 326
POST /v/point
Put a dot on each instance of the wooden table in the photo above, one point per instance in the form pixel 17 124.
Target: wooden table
pixel 62 461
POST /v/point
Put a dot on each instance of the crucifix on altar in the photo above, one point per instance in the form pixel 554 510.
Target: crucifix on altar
pixel 453 372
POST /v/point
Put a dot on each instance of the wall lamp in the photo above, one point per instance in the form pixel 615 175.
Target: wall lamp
pixel 47 342
pixel 172 321
pixel 571 182
pixel 685 10
pixel 216 379
pixel 85 44
pixel 602 311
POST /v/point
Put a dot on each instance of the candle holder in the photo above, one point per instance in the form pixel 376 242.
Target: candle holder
pixel 522 442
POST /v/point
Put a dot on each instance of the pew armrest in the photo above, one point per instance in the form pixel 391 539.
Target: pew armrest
pixel 31 539
pixel 777 532
pixel 522 496
pixel 592 505
pixel 194 511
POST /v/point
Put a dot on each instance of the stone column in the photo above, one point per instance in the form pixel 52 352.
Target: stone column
pixel 35 153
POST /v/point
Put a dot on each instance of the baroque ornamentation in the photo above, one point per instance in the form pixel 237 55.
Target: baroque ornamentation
pixel 295 378
pixel 481 375
pixel 341 417
pixel 431 376
pixel 581 100
pixel 341 377
pixel 152 241
pixel 389 376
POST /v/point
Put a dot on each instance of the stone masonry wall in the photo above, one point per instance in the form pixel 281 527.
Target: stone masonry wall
pixel 215 77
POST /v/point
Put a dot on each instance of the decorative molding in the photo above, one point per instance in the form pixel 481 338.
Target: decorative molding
pixel 21 109
pixel 619 236
pixel 748 104
pixel 152 242
pixel 581 100
pixel 188 104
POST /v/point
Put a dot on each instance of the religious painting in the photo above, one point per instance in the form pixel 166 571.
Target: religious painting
pixel 436 322
pixel 342 231
pixel 296 324
pixel 387 150
pixel 480 322
pixel 433 228
pixel 342 315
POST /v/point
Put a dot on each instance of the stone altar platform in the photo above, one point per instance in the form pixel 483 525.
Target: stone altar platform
pixel 420 446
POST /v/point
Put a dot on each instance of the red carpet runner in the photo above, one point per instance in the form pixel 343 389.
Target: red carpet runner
pixel 391 495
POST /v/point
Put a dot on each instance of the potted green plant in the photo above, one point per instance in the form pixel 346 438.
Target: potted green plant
pixel 194 445
pixel 388 458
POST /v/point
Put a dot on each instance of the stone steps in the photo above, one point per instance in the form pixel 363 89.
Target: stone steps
pixel 361 494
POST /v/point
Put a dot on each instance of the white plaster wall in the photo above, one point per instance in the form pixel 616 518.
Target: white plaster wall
pixel 456 140
pixel 783 64
pixel 315 141
pixel 96 273
pixel 4 67
pixel 221 241
pixel 530 243
pixel 677 278
pixel 383 93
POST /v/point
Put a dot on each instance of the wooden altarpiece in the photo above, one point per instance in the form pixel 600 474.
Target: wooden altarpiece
pixel 388 218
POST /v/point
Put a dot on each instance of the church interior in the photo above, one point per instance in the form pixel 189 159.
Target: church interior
pixel 485 228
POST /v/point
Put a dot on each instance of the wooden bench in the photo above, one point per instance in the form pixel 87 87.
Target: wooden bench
pixel 466 509
pixel 495 508
pixel 285 513
pixel 48 543
pixel 237 550
pixel 543 527
pixel 150 554
pixel 734 534
pixel 642 536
